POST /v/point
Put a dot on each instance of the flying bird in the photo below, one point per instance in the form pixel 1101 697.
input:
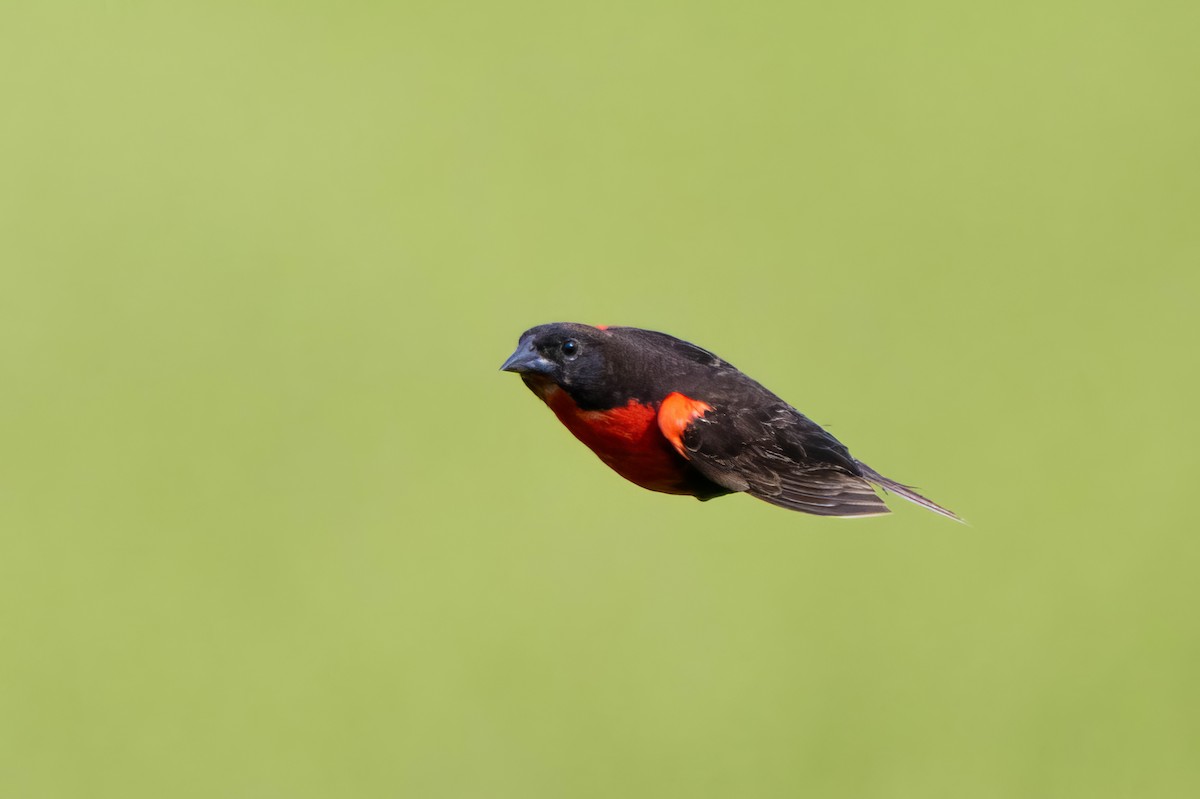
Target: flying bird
pixel 672 417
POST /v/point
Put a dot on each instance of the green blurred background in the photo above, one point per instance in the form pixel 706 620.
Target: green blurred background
pixel 273 525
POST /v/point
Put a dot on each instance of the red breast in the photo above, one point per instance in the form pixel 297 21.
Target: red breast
pixel 628 439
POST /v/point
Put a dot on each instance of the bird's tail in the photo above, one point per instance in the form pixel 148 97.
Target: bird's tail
pixel 887 484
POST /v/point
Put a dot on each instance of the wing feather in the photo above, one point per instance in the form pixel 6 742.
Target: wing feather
pixel 778 455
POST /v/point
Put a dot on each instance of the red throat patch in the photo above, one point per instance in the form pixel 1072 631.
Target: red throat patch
pixel 628 439
pixel 675 414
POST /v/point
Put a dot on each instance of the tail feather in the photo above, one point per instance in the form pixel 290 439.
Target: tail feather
pixel 887 484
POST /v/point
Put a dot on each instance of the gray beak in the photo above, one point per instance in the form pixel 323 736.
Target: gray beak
pixel 527 359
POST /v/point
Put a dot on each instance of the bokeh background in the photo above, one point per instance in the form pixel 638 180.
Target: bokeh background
pixel 273 525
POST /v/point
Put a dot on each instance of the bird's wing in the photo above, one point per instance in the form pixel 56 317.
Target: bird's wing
pixel 772 452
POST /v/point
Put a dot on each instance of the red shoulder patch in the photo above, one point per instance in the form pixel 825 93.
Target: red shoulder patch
pixel 676 413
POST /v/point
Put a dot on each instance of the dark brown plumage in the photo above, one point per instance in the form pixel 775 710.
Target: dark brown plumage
pixel 675 418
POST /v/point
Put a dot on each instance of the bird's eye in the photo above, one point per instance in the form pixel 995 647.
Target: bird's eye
pixel 570 347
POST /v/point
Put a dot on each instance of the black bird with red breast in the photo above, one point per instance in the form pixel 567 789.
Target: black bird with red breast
pixel 672 417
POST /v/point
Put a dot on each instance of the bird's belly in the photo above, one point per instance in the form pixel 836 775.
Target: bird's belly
pixel 628 440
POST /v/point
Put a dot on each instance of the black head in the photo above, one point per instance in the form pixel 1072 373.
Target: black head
pixel 563 354
pixel 608 367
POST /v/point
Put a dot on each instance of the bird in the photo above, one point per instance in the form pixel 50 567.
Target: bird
pixel 674 418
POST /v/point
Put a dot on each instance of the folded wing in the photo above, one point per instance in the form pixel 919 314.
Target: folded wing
pixel 772 452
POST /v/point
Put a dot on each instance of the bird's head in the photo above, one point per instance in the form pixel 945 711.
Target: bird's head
pixel 561 354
